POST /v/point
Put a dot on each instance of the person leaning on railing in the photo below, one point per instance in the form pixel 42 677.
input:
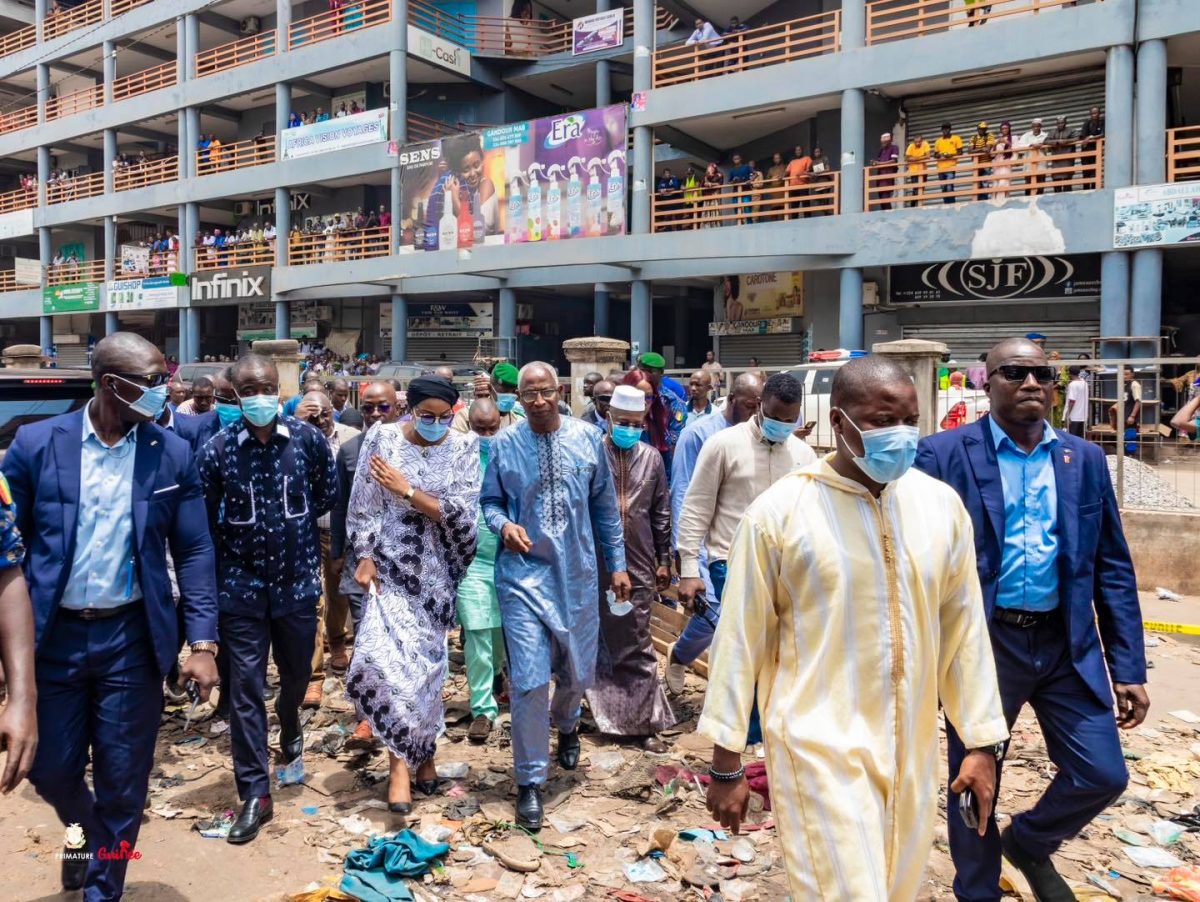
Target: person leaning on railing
pixel 1061 144
pixel 917 155
pixel 980 147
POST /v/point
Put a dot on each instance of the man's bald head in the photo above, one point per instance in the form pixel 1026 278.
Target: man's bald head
pixel 1012 349
pixel 445 372
pixel 125 352
pixel 747 384
pixel 375 397
pixel 484 417
pixel 319 398
pixel 745 396
pixel 864 378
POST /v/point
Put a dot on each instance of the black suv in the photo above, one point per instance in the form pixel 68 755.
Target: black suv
pixel 27 396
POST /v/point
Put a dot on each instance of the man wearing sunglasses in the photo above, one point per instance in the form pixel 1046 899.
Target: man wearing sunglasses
pixel 1061 600
pixel 100 493
pixel 596 412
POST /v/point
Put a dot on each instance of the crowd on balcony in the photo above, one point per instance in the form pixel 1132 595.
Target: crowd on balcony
pixel 212 153
pixel 215 247
pixel 342 236
pixel 295 120
pixel 60 184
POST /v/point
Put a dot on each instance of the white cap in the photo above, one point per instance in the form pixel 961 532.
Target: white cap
pixel 1037 120
pixel 628 399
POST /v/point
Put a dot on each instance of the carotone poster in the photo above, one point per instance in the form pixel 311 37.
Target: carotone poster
pixel 549 179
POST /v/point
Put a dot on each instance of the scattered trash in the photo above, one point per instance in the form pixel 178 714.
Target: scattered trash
pixel 194 741
pixel 565 823
pixel 1167 594
pixel 310 809
pixel 435 833
pixel 1129 837
pixel 1180 883
pixel 609 760
pixel 743 851
pixel 514 854
pixel 453 770
pixel 1152 857
pixel 1104 885
pixel 1165 832
pixel 167 811
pixel 462 808
pixel 217 726
pixel 356 824
pixel 216 827
pixel 646 870
pixel 379 870
pixel 738 890
pixel 1186 716
pixel 702 834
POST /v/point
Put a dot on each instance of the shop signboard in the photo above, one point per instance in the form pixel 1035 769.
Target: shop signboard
pixel 764 295
pixel 1156 215
pixel 780 325
pixel 256 320
pixel 439 51
pixel 561 177
pixel 222 287
pixel 339 133
pixel 1009 280
pixel 27 271
pixel 152 293
pixel 601 31
pixel 77 297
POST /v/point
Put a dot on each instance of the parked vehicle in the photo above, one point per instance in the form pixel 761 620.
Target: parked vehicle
pixel 27 396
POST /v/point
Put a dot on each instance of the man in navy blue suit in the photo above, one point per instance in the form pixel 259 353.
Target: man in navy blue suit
pixel 1054 565
pixel 99 493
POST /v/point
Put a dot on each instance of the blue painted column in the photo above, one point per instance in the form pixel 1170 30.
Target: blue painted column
pixel 641 173
pixel 850 317
pixel 506 322
pixel 110 70
pixel 600 298
pixel 854 24
pixel 398 82
pixel 189 336
pixel 601 309
pixel 1118 173
pixel 641 315
pixel 112 322
pixel 184 338
pixel 45 255
pixel 1150 141
pixel 850 314
pixel 399 328
pixel 283 319
pixel 110 154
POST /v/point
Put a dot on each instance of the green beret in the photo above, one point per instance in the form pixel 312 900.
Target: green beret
pixel 654 360
pixel 506 373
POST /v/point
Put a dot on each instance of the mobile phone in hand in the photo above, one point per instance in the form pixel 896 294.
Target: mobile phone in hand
pixel 968 808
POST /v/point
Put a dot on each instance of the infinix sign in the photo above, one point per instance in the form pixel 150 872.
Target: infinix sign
pixel 231 286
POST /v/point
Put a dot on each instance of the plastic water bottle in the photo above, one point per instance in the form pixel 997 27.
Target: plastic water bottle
pixel 617 608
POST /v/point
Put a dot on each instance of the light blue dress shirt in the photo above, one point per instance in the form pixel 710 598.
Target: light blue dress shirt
pixel 1029 564
pixel 103 574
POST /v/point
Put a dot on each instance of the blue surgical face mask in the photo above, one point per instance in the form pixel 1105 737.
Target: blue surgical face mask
pixel 625 437
pixel 150 402
pixel 431 432
pixel 485 446
pixel 260 410
pixel 506 402
pixel 228 414
pixel 887 453
pixel 776 431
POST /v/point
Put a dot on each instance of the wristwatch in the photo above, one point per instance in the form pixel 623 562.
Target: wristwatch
pixel 204 646
pixel 408 496
pixel 996 751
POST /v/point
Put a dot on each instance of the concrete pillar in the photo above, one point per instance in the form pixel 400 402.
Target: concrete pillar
pixel 506 322
pixel 681 327
pixel 921 360
pixel 110 154
pixel 191 26
pixel 285 354
pixel 283 322
pixel 43 174
pixel 112 322
pixel 40 8
pixel 181 49
pixel 283 24
pixel 643 45
pixel 603 69
pixel 43 91
pixel 398 87
pixel 641 316
pixel 850 314
pixel 185 352
pixel 399 352
pixel 641 173
pixel 1118 117
pixel 110 70
pixel 283 105
pixel 1150 147
pixel 588 355
pixel 188 233
pixel 854 24
pixel 853 150
pixel 191 137
pixel 601 307
pixel 1114 301
pixel 283 224
pixel 110 247
pixel 195 333
pixel 45 334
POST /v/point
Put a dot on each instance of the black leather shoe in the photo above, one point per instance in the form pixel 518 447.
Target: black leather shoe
pixel 529 807
pixel 255 813
pixel 291 736
pixel 428 787
pixel 74 870
pixel 1047 884
pixel 568 750
pixel 400 807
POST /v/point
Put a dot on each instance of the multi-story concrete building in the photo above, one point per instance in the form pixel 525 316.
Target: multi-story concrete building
pixel 116 188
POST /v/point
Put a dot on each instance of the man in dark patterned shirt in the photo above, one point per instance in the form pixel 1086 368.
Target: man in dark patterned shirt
pixel 266 481
pixel 18 718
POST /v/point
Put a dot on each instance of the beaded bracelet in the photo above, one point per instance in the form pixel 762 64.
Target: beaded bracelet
pixel 732 777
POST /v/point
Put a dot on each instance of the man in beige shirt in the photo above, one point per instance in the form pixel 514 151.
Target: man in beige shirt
pixel 735 466
pixel 716 372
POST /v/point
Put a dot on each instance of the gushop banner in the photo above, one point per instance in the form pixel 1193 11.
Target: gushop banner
pixel 549 179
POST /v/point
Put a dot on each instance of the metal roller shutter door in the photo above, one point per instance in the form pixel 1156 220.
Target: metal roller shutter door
pixel 455 350
pixel 772 351
pixel 968 341
pixel 1070 94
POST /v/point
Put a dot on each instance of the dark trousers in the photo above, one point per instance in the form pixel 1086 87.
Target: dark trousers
pixel 247 638
pixel 1076 428
pixel 947 180
pixel 1034 665
pixel 99 690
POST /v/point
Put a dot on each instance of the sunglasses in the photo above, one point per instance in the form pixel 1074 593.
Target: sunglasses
pixel 1018 373
pixel 603 399
pixel 371 408
pixel 149 380
pixel 531 394
pixel 430 418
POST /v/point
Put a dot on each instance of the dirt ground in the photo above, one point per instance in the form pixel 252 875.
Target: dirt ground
pixel 607 816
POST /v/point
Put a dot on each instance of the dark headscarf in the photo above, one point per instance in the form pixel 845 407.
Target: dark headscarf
pixel 437 387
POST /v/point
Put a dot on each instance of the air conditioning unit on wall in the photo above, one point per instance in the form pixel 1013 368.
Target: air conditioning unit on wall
pixel 251 25
pixel 243 208
pixel 870 297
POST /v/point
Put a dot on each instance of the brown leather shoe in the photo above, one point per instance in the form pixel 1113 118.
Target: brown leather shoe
pixel 312 698
pixel 362 737
pixel 480 729
pixel 339 659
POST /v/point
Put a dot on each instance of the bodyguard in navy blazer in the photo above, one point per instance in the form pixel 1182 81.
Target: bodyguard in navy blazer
pixel 99 493
pixel 1061 599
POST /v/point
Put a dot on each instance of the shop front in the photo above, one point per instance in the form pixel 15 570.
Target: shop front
pixel 761 315
pixel 73 310
pixel 449 332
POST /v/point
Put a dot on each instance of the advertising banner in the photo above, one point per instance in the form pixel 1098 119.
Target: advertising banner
pixel 778 326
pixel 1156 215
pixel 547 179
pixel 134 258
pixel 27 271
pixel 1009 279
pixel 439 51
pixel 764 295
pixel 229 286
pixel 78 297
pixel 145 294
pixel 334 134
pixel 256 320
pixel 601 31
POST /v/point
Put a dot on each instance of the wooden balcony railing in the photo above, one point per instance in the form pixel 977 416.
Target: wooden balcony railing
pixel 21 199
pixel 67 20
pixel 742 204
pixel 8 282
pixel 451 26
pixel 423 128
pixel 254 152
pixel 241 254
pixel 77 102
pixel 140 175
pixel 76 187
pixel 145 81
pixel 751 49
pixel 1024 174
pixel 337 247
pixel 118 7
pixel 18 40
pixel 337 22
pixel 73 271
pixel 894 20
pixel 15 120
pixel 1183 154
pixel 235 53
